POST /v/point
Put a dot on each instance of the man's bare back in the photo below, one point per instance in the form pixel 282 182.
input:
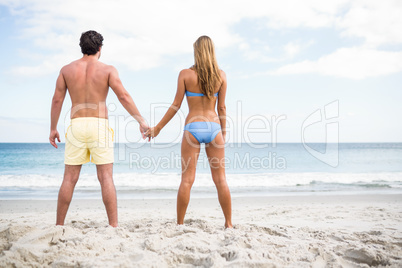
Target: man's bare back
pixel 87 81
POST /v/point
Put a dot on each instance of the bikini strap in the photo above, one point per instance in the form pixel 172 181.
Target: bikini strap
pixel 194 94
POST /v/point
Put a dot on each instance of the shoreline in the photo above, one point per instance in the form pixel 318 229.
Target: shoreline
pixel 302 231
pixel 124 195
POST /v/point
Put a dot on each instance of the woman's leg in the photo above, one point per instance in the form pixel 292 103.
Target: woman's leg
pixel 190 150
pixel 216 153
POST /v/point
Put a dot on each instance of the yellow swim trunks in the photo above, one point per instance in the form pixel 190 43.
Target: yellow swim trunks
pixel 89 138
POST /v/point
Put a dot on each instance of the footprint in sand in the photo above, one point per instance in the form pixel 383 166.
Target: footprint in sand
pixel 364 256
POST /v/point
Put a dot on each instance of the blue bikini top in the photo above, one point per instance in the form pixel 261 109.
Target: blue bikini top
pixel 193 94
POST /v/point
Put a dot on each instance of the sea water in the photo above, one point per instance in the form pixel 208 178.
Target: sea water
pixel 150 170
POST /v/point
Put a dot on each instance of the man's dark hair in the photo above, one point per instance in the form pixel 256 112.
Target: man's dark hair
pixel 90 42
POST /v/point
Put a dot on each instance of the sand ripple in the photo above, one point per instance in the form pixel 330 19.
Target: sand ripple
pixel 149 239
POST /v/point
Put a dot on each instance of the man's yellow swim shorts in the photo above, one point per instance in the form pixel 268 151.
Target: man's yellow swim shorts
pixel 89 138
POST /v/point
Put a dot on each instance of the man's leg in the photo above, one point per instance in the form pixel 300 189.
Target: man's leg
pixel 71 174
pixel 105 176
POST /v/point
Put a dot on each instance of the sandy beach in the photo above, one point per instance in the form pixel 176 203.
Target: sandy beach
pixel 285 231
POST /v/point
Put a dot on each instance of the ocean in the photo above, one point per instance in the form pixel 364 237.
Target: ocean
pixel 150 170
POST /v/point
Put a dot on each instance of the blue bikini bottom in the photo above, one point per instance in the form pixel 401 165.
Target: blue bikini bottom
pixel 204 132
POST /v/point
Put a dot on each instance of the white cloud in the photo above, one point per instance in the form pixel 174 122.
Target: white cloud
pixel 140 34
pixel 306 14
pixel 252 52
pixel 137 34
pixel 292 49
pixel 354 63
pixel 48 65
pixel 256 51
pixel 145 32
pixel 377 22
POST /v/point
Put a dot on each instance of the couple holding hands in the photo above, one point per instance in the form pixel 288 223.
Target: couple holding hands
pixel 89 137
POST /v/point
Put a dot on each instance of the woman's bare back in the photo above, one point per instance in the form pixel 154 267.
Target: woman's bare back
pixel 200 108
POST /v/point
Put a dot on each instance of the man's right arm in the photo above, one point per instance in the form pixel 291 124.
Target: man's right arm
pixel 125 99
pixel 57 103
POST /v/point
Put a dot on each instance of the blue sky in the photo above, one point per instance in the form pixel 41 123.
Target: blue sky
pixel 284 61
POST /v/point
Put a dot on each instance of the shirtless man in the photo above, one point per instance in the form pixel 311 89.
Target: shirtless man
pixel 89 137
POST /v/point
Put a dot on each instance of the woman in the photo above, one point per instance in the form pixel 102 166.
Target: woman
pixel 204 85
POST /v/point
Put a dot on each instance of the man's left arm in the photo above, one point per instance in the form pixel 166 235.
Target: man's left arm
pixel 57 104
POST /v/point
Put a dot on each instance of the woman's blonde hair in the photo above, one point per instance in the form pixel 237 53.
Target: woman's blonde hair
pixel 206 65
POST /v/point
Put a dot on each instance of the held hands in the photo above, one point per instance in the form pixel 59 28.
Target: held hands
pixel 152 132
pixel 54 134
pixel 148 132
pixel 143 129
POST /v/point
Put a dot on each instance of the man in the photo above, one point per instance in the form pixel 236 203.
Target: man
pixel 89 136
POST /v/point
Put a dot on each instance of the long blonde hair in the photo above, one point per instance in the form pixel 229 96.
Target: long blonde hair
pixel 206 66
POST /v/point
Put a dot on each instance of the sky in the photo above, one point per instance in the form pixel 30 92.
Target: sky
pixel 298 71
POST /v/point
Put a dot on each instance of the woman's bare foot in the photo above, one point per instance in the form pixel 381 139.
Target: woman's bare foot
pixel 228 225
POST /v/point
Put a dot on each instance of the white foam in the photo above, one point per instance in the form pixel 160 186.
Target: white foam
pixel 172 180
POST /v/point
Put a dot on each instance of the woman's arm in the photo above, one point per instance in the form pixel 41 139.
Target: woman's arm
pixel 171 112
pixel 221 104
